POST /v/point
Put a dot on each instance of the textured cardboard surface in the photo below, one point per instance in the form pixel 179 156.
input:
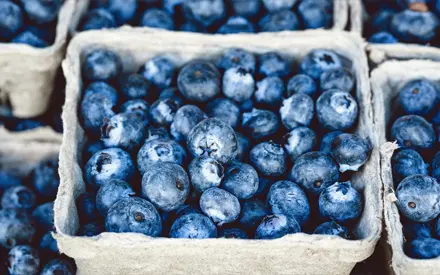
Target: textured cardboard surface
pixel 42 134
pixel 28 73
pixel 130 253
pixel 340 14
pixel 379 53
pixel 386 81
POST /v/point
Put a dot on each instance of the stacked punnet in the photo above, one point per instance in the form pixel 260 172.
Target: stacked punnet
pixel 211 16
pixel 241 146
pixel 27 222
pixel 31 22
pixel 414 127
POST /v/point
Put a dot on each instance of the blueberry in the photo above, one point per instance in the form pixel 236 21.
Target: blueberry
pixel 327 141
pixel 193 226
pixel 246 106
pixel 224 109
pixel 237 58
pixel 18 197
pixel 43 215
pixel 419 97
pixel 214 138
pixel 48 244
pixel 244 147
pixel 11 20
pixel 157 133
pixel 278 5
pixel 205 172
pixel 246 8
pixel 86 206
pixel 166 185
pixel 437 228
pixel 302 84
pixel 284 20
pixel 269 159
pixel 238 84
pixel 299 141
pixel 318 61
pixel 241 180
pixel 92 147
pixel 123 10
pixel 91 229
pixel 157 18
pixel 259 124
pixel 205 12
pixel 134 215
pixel 236 24
pixel 135 86
pixel 404 28
pixel 287 198
pixel 413 230
pixel 186 118
pixel 340 202
pixel 407 163
pixel 124 130
pixel 97 105
pixel 31 39
pixel 136 106
pixel 380 21
pixel 418 198
pixel 42 11
pixel 336 110
pixel 220 205
pixel 160 150
pixel 269 91
pixel 314 171
pixel 101 65
pixel 339 78
pixel 382 37
pixel 264 185
pixel 97 19
pixel 276 226
pixel 297 110
pixel 233 233
pixel 16 227
pixel 252 213
pixel 107 164
pixel 7 180
pixel 350 151
pixel 160 71
pixel 436 166
pixel 424 248
pixel 199 81
pixel 58 266
pixel 28 124
pixel 162 111
pixel 173 7
pixel 413 132
pixel 23 260
pixel 273 64
pixel 110 192
pixel 190 26
pixel 316 14
pixel 333 229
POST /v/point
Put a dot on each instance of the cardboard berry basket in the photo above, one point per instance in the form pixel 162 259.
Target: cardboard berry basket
pixel 386 82
pixel 340 14
pixel 379 53
pixel 28 73
pixel 43 134
pixel 132 253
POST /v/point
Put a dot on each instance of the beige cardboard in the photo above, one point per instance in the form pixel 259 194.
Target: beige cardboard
pixel 42 134
pixel 130 253
pixel 340 14
pixel 28 73
pixel 379 53
pixel 386 82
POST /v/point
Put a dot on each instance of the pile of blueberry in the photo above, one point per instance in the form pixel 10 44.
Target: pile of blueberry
pixel 406 21
pixel 417 189
pixel 220 148
pixel 211 16
pixel 27 220
pixel 31 22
